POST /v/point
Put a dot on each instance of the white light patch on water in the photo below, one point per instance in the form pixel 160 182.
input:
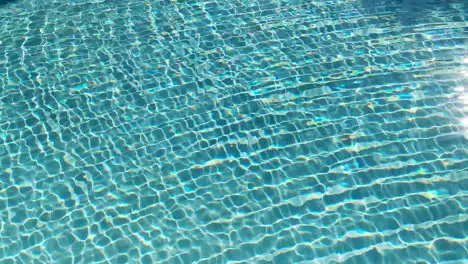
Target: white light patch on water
pixel 465 123
pixel 464 99
pixel 459 89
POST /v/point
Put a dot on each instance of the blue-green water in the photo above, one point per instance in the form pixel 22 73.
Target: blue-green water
pixel 233 131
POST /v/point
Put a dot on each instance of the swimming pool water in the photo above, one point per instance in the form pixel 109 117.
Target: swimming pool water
pixel 233 131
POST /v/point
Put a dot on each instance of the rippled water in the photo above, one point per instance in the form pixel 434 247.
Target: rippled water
pixel 233 131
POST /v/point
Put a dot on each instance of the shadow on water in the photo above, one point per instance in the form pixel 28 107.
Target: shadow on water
pixel 4 2
pixel 411 12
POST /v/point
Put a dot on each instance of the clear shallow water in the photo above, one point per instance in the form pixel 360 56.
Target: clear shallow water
pixel 242 132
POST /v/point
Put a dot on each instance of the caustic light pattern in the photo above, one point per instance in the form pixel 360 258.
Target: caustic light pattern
pixel 233 131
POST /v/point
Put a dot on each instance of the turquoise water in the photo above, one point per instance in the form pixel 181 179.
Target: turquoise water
pixel 233 131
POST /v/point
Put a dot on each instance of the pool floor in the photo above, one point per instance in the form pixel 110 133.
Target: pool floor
pixel 233 131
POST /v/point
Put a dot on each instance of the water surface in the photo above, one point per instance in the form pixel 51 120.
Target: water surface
pixel 233 131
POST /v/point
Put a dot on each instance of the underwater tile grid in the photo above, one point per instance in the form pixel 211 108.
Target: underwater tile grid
pixel 226 131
